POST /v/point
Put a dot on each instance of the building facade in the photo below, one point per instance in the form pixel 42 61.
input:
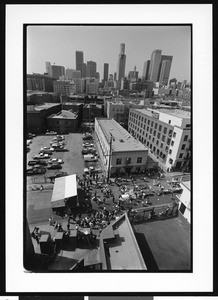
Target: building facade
pixel 154 65
pixel 63 122
pixel 38 82
pixel 57 71
pixel 121 63
pixel 115 110
pixel 91 69
pixel 106 70
pixel 119 152
pixel 166 132
pixel 146 70
pixel 185 201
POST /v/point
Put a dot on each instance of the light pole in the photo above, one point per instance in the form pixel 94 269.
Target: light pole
pixel 109 164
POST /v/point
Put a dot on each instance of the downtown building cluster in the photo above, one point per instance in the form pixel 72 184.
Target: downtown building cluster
pixel 150 108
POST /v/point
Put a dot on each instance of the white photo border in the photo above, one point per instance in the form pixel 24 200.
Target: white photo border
pixel 201 280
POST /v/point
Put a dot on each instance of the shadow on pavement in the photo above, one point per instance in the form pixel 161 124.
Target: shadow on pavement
pixel 146 252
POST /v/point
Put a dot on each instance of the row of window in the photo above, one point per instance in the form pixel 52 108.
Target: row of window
pixel 128 160
pixel 159 128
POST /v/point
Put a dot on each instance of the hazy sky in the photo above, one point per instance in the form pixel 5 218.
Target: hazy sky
pixel 102 44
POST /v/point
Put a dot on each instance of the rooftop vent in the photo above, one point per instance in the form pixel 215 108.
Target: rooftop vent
pixel 122 141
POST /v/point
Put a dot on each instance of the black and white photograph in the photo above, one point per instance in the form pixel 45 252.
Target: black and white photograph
pixel 108 134
pixel 108 131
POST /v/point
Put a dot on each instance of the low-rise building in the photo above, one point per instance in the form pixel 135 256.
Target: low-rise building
pixel 115 110
pixel 119 151
pixel 92 111
pixel 167 133
pixel 39 82
pixel 40 97
pixel 37 116
pixel 63 122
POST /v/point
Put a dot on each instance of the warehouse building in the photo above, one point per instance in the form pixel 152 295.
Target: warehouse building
pixel 167 133
pixel 119 152
pixel 65 121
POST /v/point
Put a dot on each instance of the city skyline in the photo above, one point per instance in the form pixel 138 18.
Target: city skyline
pixel 102 45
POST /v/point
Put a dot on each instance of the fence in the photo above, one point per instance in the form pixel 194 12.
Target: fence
pixel 153 213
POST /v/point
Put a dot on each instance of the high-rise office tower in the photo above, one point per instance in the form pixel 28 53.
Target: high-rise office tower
pixel 164 71
pixel 106 68
pixel 146 70
pixel 115 76
pixel 48 68
pixel 133 75
pixel 83 75
pixel 121 63
pixel 57 71
pixel 79 61
pixel 70 73
pixel 91 69
pixel 154 68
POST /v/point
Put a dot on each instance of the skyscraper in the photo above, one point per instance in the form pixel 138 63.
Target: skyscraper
pixel 83 75
pixel 48 68
pixel 155 65
pixel 79 61
pixel 121 63
pixel 146 70
pixel 91 69
pixel 165 66
pixel 165 72
pixel 106 68
pixel 57 71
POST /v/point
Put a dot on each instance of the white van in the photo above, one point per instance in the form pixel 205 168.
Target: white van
pixel 90 157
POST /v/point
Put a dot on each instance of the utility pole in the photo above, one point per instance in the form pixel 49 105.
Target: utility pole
pixel 109 164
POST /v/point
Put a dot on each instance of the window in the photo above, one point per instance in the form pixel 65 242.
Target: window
pixel 170 132
pixel 143 133
pixel 155 126
pixel 154 133
pixel 170 152
pixel 146 134
pixel 139 160
pixel 148 122
pixel 165 130
pixel 172 143
pixel 154 148
pixel 171 161
pixel 145 120
pixel 174 134
pixel 128 160
pixel 169 121
pixel 151 130
pixel 163 138
pixel 139 118
pixel 158 135
pixel 152 140
pixel 158 151
pixel 182 208
pixel 147 128
pixel 168 141
pixel 149 137
pixel 185 138
pixel 152 123
pixel 180 156
pixel 183 147
pixel 161 145
pixel 166 149
pixel 142 119
pixel 144 127
pixel 160 127
pixel 147 143
pixel 119 161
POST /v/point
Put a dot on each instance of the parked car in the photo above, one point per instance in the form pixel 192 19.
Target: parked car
pixel 61 149
pixel 56 160
pixel 59 174
pixel 90 157
pixel 47 148
pixel 54 166
pixel 32 162
pixel 41 156
pixel 88 145
pixel 85 151
pixel 87 137
pixel 60 137
pixel 41 162
pixel 35 171
pixel 51 133
pixel 49 152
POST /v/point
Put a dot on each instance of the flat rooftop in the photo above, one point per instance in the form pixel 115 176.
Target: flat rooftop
pixel 165 244
pixel 122 139
pixel 41 106
pixel 64 114
pixel 174 112
pixel 124 252
pixel 187 184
